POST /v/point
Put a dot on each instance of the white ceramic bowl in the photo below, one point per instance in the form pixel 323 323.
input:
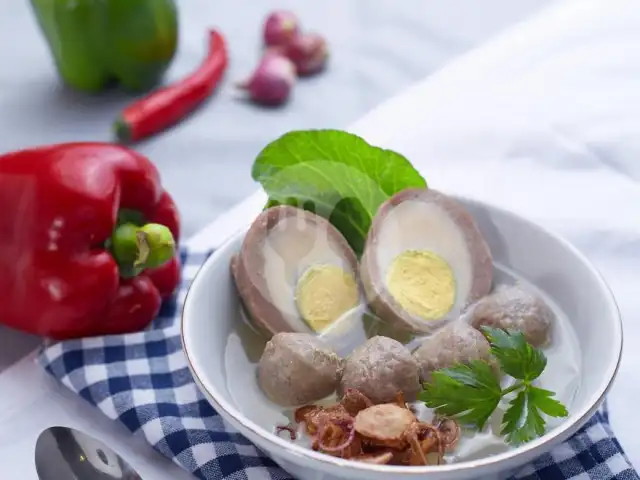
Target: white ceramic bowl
pixel 539 256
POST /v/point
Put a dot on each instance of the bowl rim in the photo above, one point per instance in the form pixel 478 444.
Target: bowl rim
pixel 530 450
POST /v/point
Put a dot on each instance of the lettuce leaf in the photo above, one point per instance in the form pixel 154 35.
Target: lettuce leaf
pixel 335 174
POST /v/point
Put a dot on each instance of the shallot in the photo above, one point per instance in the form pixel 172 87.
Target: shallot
pixel 280 28
pixel 308 52
pixel 272 81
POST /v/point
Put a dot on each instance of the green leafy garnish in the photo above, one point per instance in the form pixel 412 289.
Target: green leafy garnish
pixel 523 420
pixel 336 174
pixel 517 357
pixel 471 393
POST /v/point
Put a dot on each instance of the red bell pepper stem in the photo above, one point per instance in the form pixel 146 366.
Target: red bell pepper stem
pixel 168 105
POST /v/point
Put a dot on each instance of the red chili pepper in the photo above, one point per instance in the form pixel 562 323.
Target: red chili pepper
pixel 77 255
pixel 169 105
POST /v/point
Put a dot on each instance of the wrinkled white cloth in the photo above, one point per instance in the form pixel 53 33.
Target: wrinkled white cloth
pixel 543 120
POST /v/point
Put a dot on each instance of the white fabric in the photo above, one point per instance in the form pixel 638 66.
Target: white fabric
pixel 543 120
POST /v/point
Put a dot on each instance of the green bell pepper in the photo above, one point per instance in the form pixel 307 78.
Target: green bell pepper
pixel 97 42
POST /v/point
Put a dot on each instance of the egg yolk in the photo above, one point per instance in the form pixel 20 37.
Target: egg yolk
pixel 324 293
pixel 422 282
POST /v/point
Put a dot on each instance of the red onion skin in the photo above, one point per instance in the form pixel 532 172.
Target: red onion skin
pixel 338 448
pixel 280 28
pixel 309 53
pixel 286 428
pixel 272 81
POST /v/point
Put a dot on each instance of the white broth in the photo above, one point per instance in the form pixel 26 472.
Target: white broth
pixel 562 374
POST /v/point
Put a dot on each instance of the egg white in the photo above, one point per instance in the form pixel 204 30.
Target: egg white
pixel 290 248
pixel 419 225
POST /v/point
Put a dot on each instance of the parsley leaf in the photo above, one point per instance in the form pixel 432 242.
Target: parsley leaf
pixel 471 392
pixel 338 174
pixel 546 404
pixel 468 392
pixel 522 421
pixel 517 357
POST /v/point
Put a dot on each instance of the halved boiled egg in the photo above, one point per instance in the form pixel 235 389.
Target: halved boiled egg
pixel 295 272
pixel 424 261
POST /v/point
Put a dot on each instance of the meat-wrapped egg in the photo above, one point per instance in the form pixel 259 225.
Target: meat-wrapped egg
pixel 424 261
pixel 295 272
pixel 297 369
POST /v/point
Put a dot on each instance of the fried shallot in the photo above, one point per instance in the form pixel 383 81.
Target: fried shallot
pixel 388 433
pixel 286 428
pixel 337 439
pixel 449 433
pixel 354 401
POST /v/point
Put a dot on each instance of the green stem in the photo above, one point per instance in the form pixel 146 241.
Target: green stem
pixel 143 249
pixel 122 131
pixel 513 388
pixel 138 248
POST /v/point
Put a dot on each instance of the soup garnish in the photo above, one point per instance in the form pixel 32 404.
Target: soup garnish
pixel 387 433
pixel 471 392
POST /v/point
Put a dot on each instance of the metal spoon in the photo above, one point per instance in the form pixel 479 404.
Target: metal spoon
pixel 66 454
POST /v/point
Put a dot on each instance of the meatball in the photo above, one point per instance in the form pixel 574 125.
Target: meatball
pixel 380 369
pixel 512 307
pixel 297 369
pixel 455 343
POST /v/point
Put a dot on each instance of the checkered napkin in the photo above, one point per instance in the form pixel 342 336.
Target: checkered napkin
pixel 142 380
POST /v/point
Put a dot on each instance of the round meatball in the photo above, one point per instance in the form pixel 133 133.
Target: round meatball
pixel 380 369
pixel 512 307
pixel 455 343
pixel 297 369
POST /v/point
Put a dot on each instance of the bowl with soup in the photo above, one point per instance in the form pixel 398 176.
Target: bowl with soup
pixel 400 331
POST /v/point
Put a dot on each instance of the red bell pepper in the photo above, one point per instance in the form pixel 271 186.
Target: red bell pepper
pixel 78 257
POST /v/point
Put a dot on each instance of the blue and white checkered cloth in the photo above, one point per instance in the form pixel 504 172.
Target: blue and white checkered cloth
pixel 143 381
